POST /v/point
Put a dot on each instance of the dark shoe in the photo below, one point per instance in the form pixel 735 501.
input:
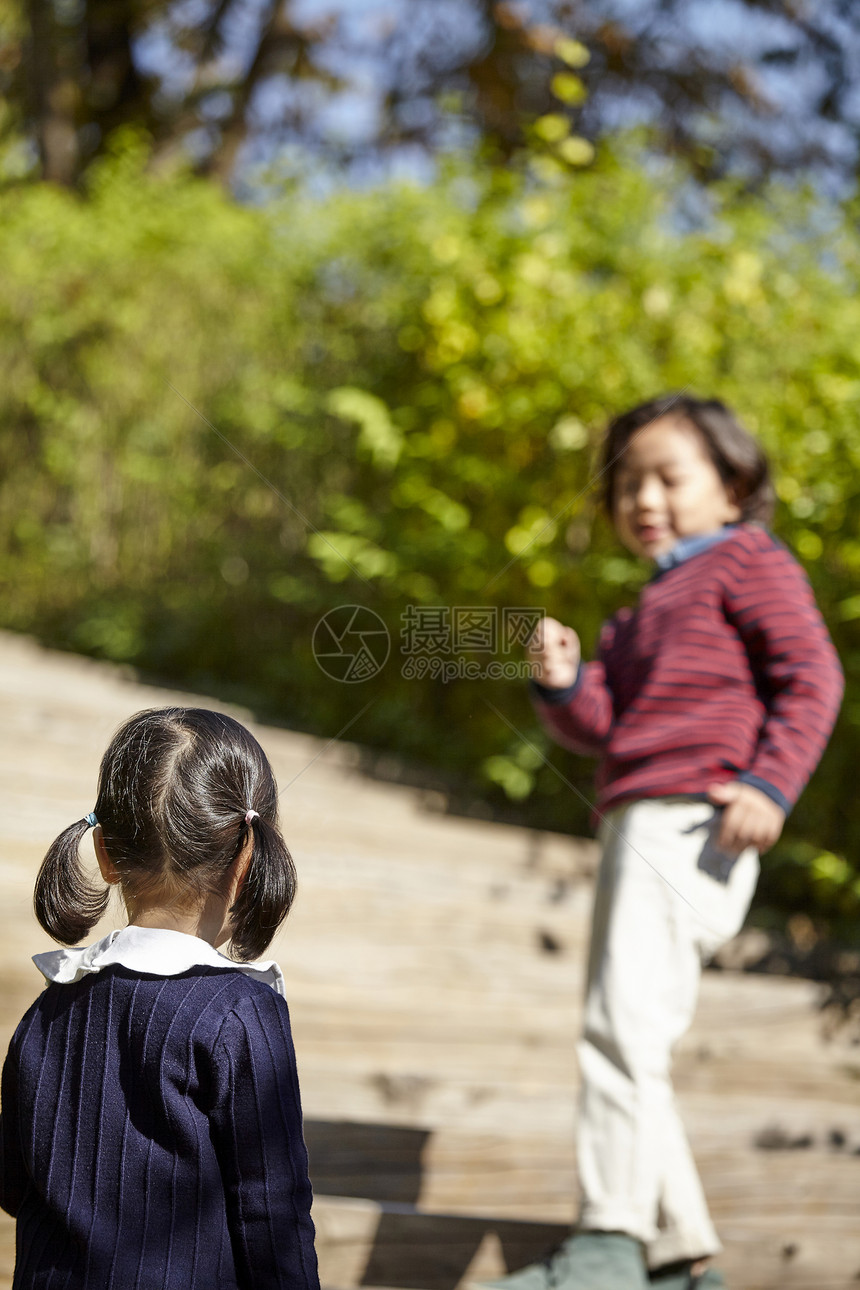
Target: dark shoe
pixel 679 1276
pixel 585 1261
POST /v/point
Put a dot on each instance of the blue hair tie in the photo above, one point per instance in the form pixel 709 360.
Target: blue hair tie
pixel 92 820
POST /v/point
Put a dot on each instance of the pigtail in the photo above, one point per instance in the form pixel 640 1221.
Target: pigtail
pixel 266 894
pixel 66 905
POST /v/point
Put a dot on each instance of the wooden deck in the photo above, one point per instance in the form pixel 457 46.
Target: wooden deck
pixel 434 969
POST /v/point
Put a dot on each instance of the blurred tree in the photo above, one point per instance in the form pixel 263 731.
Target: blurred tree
pixel 72 71
pixel 751 85
pixel 737 85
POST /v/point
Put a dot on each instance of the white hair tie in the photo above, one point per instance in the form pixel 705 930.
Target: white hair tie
pixel 251 815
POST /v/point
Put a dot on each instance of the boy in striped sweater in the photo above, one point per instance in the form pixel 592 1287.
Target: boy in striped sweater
pixel 709 705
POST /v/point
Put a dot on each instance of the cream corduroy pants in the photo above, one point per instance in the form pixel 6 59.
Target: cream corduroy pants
pixel 666 900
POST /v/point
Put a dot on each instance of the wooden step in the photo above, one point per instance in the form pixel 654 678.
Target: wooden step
pixel 435 968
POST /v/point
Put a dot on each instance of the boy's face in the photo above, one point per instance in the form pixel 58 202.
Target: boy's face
pixel 667 487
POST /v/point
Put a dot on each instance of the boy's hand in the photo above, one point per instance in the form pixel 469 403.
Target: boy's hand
pixel 750 818
pixel 556 651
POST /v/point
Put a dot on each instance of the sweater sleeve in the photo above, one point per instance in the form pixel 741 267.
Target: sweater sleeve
pixel 13 1175
pixel 257 1132
pixel 769 600
pixel 580 717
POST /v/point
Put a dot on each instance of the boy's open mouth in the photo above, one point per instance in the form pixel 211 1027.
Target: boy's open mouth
pixel 648 533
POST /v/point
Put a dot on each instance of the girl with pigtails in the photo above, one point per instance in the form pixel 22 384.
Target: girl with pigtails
pixel 151 1128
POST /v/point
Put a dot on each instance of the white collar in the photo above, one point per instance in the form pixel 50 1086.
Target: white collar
pixel 148 949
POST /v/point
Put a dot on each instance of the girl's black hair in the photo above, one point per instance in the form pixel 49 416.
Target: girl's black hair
pixel 739 459
pixel 174 787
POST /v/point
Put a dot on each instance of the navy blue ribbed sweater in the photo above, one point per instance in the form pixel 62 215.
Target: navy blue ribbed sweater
pixel 151 1137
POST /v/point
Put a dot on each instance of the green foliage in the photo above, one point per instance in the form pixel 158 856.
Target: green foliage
pixel 221 422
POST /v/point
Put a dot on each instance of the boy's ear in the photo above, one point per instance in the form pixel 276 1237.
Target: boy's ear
pixel 733 499
pixel 106 865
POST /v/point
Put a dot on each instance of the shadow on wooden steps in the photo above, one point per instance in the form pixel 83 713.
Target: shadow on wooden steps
pixel 370 1232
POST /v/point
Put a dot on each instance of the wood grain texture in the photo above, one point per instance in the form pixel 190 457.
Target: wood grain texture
pixel 434 969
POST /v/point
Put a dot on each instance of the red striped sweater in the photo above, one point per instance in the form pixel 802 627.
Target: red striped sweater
pixel 724 670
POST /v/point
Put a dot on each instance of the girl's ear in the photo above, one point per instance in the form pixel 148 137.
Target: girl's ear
pixel 106 865
pixel 239 870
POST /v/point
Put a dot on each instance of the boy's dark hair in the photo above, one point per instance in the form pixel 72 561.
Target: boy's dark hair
pixel 174 787
pixel 741 462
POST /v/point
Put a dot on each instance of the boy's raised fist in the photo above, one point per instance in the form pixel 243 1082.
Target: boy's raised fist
pixel 556 651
